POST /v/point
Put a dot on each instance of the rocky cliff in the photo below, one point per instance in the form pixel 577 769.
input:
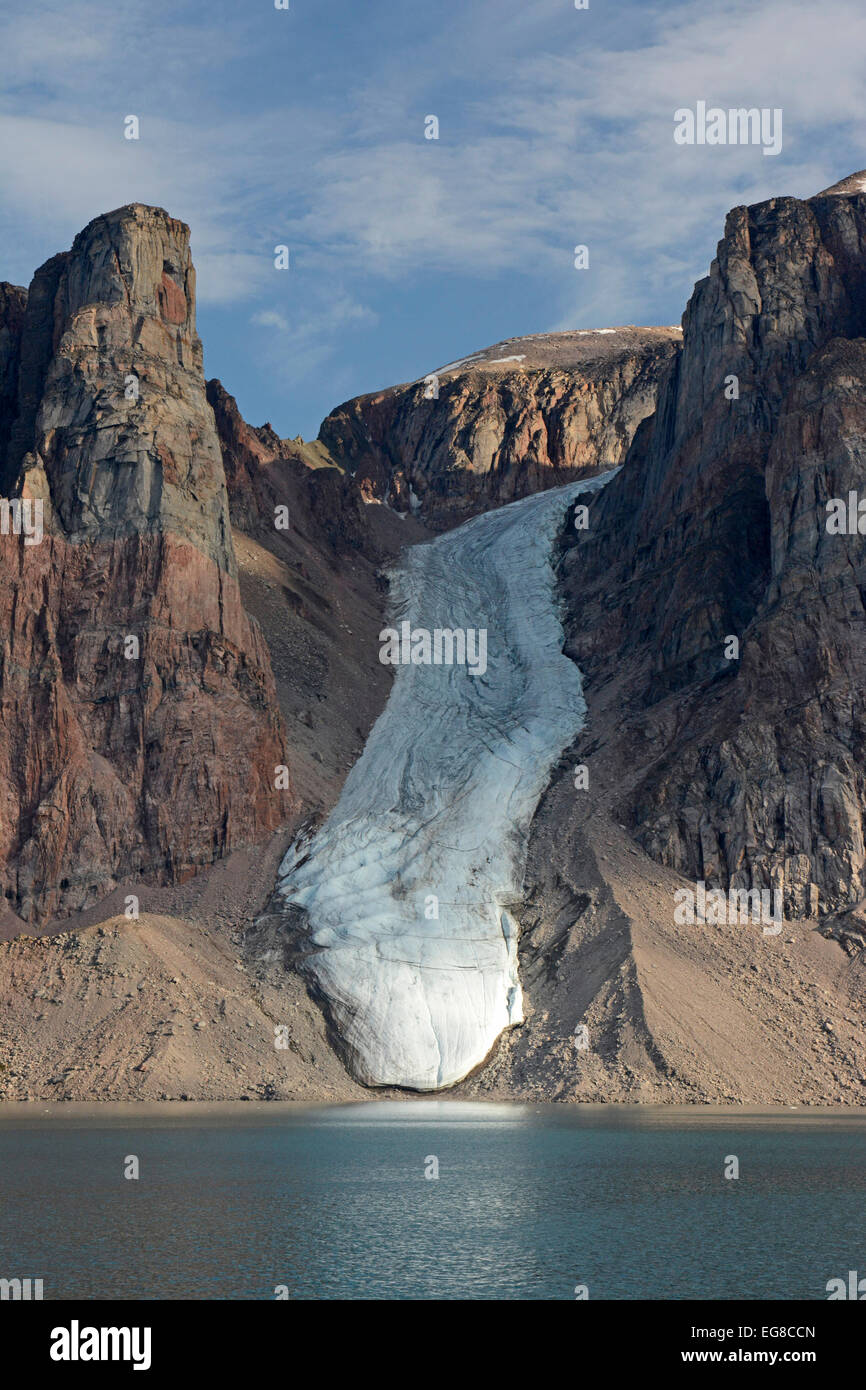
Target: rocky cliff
pixel 719 622
pixel 315 587
pixel 13 302
pixel 139 717
pixel 716 617
pixel 524 415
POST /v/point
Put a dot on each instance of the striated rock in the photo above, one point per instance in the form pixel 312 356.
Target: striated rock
pixel 113 425
pixel 524 415
pixel 137 703
pixel 745 771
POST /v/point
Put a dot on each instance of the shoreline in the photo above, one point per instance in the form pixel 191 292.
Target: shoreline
pixel 117 1114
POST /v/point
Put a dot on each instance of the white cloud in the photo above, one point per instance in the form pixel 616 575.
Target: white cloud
pixel 548 138
pixel 269 318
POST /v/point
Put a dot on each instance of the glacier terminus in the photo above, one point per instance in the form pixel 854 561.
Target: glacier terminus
pixel 409 885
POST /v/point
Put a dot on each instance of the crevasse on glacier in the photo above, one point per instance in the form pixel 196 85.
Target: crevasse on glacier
pixel 435 814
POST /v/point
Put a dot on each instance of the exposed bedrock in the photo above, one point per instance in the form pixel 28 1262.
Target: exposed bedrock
pixel 745 770
pixel 524 415
pixel 140 726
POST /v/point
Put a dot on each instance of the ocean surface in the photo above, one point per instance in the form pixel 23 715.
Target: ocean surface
pixel 530 1202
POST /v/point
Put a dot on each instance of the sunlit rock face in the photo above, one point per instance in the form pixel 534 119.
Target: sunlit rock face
pixel 407 886
pixel 140 729
pixel 527 414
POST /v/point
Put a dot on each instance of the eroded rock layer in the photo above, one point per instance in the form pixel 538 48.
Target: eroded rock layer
pixel 527 414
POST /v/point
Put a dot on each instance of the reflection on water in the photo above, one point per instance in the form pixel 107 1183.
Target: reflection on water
pixel 333 1202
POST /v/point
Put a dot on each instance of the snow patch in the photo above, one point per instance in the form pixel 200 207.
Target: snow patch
pixel 454 366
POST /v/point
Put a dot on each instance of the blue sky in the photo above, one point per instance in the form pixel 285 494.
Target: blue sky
pixel 306 127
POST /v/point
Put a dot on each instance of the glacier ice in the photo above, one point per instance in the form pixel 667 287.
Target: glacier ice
pixel 407 885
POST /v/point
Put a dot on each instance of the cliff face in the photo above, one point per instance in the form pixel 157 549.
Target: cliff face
pixel 527 414
pixel 742 766
pixel 315 587
pixel 138 710
pixel 13 302
pixel 263 472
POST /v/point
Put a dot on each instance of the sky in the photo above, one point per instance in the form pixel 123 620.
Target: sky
pixel 306 127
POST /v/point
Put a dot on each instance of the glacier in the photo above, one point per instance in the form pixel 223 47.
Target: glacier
pixel 408 885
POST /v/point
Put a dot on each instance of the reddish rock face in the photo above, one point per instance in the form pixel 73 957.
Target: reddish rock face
pixel 140 726
pixel 747 770
pixel 525 415
pixel 317 587
pixel 263 472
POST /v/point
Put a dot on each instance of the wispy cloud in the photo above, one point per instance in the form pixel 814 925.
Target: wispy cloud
pixel 556 128
pixel 269 318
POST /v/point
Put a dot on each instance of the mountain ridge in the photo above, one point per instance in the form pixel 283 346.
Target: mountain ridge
pixel 742 775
